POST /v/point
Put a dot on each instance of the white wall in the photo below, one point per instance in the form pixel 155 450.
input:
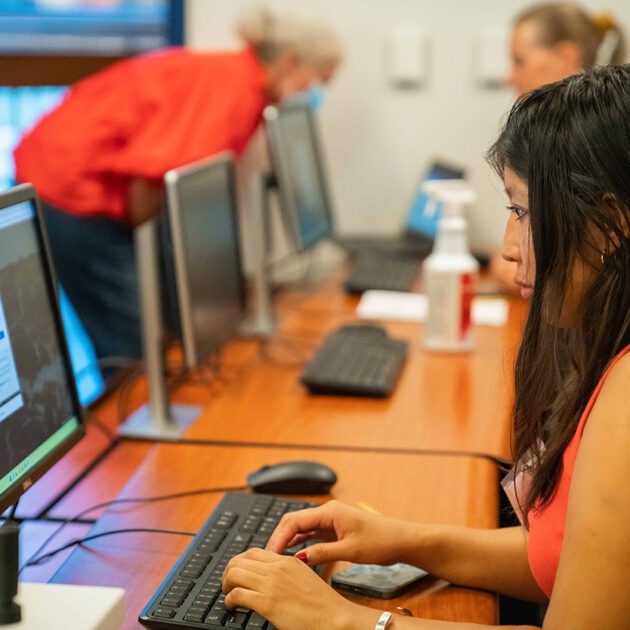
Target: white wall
pixel 379 138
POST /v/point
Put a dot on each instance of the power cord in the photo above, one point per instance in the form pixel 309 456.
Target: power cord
pixel 164 497
pixel 299 351
pixel 81 541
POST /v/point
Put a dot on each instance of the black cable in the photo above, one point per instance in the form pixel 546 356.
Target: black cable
pixel 107 362
pixel 91 417
pixel 163 497
pixel 11 515
pixel 302 349
pixel 81 541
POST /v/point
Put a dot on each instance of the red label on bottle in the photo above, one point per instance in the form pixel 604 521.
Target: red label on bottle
pixel 467 291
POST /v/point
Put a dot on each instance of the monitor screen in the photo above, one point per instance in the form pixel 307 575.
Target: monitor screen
pixel 39 412
pixel 423 216
pixel 297 162
pixel 84 27
pixel 202 221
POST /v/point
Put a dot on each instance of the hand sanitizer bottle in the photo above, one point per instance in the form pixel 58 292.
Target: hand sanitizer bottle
pixel 450 274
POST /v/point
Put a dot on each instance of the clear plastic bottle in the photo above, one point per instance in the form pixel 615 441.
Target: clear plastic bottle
pixel 450 275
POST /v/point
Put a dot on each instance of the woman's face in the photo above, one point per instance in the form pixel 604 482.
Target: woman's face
pixel 289 75
pixel 533 64
pixel 517 244
pixel 518 248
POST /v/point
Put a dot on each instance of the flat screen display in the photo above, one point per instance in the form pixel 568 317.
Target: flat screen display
pixel 38 409
pixel 206 255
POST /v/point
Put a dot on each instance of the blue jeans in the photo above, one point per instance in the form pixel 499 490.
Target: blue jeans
pixel 95 262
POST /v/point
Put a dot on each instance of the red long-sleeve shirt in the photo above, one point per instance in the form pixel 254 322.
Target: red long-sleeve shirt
pixel 138 119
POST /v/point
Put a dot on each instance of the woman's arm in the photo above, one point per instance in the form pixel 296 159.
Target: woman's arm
pixel 144 200
pixel 592 588
pixel 290 595
pixel 494 559
pixel 489 559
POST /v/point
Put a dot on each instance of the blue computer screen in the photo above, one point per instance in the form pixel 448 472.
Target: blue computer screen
pixel 20 108
pixel 106 27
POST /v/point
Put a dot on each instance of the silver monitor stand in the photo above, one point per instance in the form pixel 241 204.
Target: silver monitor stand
pixel 157 419
pixel 261 322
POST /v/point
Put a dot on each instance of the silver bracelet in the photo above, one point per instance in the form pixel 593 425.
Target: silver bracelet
pixel 383 621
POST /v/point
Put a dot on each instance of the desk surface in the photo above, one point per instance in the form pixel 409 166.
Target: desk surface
pixel 457 489
pixel 441 402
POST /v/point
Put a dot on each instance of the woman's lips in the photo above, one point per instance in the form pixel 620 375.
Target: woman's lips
pixel 526 289
pixel 527 292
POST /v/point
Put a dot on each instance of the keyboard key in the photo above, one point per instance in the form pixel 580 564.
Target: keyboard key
pixel 215 617
pixel 236 620
pixel 164 613
pixel 256 622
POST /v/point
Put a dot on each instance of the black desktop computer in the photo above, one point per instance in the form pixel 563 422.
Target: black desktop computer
pixel 40 415
pixel 204 252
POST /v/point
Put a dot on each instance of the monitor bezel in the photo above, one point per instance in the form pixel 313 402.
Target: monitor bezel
pixel 25 193
pixel 194 350
pixel 288 205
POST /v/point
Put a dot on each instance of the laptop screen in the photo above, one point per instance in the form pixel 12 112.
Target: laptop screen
pixel 423 216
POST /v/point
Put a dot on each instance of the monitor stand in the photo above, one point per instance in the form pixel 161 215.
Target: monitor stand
pixel 158 419
pixel 261 322
pixel 28 606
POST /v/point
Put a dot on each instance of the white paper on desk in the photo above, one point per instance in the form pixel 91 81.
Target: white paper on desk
pixel 413 307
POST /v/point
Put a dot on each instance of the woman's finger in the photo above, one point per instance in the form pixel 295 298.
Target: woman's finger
pixel 238 577
pixel 296 523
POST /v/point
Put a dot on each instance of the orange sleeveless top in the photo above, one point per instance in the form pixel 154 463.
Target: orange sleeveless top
pixel 546 526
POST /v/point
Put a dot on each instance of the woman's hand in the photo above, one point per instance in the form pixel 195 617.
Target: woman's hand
pixel 351 534
pixel 289 594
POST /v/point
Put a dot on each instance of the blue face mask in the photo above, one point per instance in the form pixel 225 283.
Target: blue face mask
pixel 313 96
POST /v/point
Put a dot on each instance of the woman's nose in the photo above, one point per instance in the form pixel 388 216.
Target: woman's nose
pixel 510 249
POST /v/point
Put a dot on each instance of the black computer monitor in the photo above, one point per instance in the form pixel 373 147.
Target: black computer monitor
pixel 40 418
pixel 298 166
pixel 202 228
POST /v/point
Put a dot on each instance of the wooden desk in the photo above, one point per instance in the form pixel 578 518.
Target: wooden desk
pixel 458 490
pixel 442 402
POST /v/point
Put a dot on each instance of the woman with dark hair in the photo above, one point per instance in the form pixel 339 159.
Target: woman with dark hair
pixel 564 155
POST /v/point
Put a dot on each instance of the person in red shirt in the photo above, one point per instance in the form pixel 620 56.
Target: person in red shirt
pixel 98 159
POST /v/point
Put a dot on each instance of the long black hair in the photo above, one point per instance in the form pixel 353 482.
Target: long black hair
pixel 570 143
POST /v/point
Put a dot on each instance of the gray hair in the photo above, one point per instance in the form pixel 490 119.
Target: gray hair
pixel 271 34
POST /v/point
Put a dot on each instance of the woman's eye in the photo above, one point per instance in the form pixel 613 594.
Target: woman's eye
pixel 519 212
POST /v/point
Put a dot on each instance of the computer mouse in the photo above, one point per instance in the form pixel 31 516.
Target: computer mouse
pixel 293 478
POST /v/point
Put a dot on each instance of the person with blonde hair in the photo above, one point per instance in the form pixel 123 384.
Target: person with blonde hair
pixel 98 159
pixel 551 41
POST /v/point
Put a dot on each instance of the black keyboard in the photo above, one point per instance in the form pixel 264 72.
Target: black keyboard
pixel 358 361
pixel 382 272
pixel 190 596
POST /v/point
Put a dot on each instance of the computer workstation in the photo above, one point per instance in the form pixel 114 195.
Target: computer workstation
pixel 41 420
pixel 354 360
pixel 385 263
pixel 40 414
